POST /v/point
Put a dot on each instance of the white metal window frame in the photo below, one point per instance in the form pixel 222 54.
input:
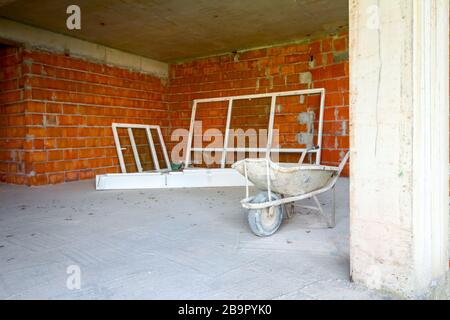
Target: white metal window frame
pixel 151 144
pixel 273 97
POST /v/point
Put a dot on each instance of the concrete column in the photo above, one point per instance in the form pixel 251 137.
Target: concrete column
pixel 399 130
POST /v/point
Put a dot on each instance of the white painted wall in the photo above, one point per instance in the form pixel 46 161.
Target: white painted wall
pixel 399 144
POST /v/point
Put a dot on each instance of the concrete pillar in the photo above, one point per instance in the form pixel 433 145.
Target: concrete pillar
pixel 399 129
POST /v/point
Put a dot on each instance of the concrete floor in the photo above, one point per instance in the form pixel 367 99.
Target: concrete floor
pixel 165 244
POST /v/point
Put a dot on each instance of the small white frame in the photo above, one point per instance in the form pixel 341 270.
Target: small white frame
pixel 273 96
pixel 151 144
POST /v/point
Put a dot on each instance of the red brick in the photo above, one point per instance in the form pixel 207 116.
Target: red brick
pixel 71 176
pixel 36 156
pixel 37 180
pixel 71 120
pixel 326 45
pixel 53 108
pixel 84 175
pixel 33 106
pixel 53 155
pixel 295 58
pixel 253 54
pixel 38 144
pixel 340 44
pixel 70 154
pixel 55 178
pixel 50 143
pixel 315 47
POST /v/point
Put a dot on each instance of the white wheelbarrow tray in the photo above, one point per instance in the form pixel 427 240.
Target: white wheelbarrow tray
pixel 284 183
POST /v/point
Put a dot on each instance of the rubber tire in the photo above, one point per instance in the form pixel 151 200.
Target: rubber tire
pixel 255 216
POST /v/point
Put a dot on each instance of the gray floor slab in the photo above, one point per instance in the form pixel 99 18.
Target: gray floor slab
pixel 158 244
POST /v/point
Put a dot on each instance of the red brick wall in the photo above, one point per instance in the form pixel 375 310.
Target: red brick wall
pixel 12 117
pixel 68 107
pixel 56 111
pixel 268 70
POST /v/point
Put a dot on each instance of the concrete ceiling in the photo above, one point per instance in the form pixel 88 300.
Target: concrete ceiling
pixel 170 30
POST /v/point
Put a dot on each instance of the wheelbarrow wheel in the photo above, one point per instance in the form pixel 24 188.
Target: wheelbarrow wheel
pixel 265 222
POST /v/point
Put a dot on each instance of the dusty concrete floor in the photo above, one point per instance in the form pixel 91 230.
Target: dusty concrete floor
pixel 158 244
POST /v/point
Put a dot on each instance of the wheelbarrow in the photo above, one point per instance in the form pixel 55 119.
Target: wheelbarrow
pixel 282 184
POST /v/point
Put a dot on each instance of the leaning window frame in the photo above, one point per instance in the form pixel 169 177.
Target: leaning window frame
pixel 151 143
pixel 273 96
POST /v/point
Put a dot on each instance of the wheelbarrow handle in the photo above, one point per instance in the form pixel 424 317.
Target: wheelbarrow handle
pixel 343 162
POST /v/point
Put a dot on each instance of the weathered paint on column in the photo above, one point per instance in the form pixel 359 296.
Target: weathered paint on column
pixel 399 141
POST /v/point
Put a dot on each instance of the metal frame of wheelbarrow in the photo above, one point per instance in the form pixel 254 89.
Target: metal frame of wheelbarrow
pixel 247 202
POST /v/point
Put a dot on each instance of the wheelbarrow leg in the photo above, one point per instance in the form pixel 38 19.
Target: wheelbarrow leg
pixel 289 209
pixel 331 221
pixel 333 208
